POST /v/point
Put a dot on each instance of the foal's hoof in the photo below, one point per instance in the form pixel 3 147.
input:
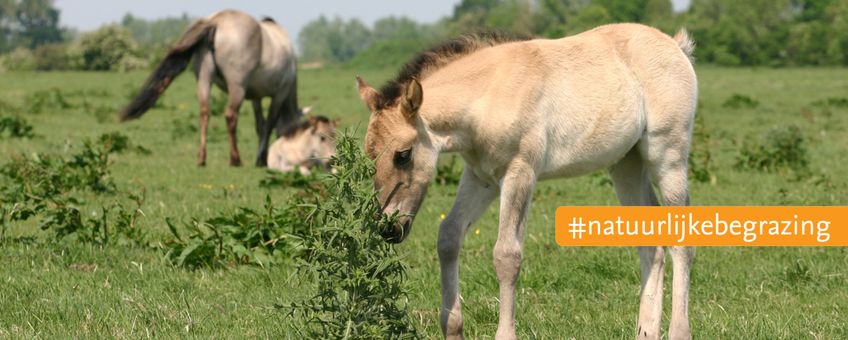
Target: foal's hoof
pixel 235 162
pixel 201 163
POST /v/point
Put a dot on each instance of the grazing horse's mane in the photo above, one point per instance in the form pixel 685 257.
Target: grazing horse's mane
pixel 430 60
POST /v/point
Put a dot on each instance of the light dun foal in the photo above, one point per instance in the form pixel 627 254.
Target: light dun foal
pixel 518 111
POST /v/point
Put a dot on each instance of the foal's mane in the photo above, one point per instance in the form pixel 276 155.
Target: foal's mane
pixel 436 57
pixel 295 129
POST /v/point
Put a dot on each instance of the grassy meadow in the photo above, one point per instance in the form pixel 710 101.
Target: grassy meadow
pixel 74 290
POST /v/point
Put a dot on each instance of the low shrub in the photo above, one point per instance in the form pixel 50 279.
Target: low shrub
pixel 782 147
pixel 13 126
pixel 739 101
pixel 700 157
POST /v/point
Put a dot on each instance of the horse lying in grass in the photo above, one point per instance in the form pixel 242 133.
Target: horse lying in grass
pixel 520 110
pixel 304 146
pixel 245 58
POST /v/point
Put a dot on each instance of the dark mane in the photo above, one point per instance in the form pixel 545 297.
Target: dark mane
pixel 295 129
pixel 442 54
pixel 268 19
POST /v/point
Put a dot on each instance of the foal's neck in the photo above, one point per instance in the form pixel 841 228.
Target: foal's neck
pixel 445 114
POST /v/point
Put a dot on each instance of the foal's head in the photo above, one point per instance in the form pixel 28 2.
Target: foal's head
pixel 402 151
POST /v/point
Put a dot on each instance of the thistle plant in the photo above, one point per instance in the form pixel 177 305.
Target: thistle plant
pixel 358 277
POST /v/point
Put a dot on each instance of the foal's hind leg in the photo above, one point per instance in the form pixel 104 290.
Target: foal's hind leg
pixel 668 155
pixel 633 187
pixel 670 173
pixel 236 96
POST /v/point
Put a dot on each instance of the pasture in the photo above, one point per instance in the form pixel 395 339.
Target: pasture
pixel 67 289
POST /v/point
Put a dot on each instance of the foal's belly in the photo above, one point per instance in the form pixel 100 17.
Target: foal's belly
pixel 576 147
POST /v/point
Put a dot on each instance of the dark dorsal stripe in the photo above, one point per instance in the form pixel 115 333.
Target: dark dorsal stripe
pixel 268 19
pixel 440 55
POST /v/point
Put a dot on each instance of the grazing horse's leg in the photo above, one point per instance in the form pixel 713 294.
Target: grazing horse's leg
pixel 236 96
pixel 260 128
pixel 289 115
pixel 472 198
pixel 633 188
pixel 205 72
pixel 516 194
pixel 264 136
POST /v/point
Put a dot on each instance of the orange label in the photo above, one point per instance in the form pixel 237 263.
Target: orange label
pixel 702 226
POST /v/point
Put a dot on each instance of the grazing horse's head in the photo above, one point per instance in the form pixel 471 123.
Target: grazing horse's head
pixel 403 154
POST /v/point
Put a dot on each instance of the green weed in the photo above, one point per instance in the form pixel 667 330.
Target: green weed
pixel 359 278
pixel 840 102
pixel 243 237
pixel 782 147
pixel 740 101
pixel 291 179
pixel 15 127
pixel 700 156
pixel 52 99
pixel 48 186
pixel 448 172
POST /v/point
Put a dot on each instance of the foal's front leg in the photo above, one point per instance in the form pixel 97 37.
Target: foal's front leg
pixel 517 192
pixel 472 198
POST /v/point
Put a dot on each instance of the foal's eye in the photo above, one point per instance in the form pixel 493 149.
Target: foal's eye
pixel 323 138
pixel 403 157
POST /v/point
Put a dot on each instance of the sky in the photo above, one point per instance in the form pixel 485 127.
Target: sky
pixel 87 15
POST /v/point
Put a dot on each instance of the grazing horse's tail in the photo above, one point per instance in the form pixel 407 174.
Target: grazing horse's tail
pixel 175 62
pixel 686 44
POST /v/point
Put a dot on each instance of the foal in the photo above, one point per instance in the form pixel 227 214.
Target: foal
pixel 519 110
pixel 304 146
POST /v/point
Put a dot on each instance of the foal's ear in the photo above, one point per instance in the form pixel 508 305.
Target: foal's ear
pixel 412 97
pixel 368 94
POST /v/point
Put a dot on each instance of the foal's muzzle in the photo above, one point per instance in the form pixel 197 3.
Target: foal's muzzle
pixel 399 231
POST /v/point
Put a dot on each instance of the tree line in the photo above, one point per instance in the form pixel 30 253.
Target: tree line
pixel 32 39
pixel 727 32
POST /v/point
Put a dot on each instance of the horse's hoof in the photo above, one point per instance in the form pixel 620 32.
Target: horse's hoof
pixel 235 162
pixel 201 164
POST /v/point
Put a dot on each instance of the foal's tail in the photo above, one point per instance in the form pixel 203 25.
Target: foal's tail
pixel 175 62
pixel 686 44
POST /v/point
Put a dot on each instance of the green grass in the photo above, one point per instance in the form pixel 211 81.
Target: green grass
pixel 70 290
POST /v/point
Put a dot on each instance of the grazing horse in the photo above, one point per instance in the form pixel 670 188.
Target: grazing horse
pixel 245 58
pixel 520 110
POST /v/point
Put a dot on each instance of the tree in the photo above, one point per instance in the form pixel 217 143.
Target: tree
pixel 157 32
pixel 624 10
pixel 334 40
pixel 105 48
pixel 38 23
pixel 395 28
